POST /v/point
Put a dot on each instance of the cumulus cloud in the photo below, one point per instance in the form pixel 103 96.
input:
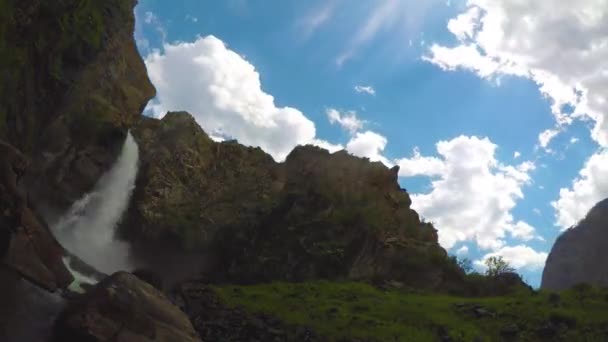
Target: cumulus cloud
pixel 516 154
pixel 520 257
pixel 418 165
pixel 365 90
pixel 224 93
pixel 347 120
pixel 563 48
pixel 368 145
pixel 327 145
pixel 590 187
pixel 472 193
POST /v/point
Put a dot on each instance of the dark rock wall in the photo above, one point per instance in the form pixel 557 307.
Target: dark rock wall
pixel 579 254
pixel 71 83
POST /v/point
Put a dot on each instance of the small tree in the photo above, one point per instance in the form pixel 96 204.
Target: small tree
pixel 497 266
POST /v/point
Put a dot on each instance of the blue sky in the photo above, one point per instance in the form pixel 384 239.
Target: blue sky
pixel 495 142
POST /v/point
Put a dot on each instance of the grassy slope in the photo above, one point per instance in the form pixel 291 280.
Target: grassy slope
pixel 359 310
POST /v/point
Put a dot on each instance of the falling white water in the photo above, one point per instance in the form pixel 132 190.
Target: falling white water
pixel 79 278
pixel 88 228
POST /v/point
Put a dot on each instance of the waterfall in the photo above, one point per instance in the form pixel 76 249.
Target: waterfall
pixel 87 230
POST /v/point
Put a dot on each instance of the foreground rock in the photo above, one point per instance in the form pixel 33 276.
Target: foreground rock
pixel 578 254
pixel 317 215
pixel 26 243
pixel 124 308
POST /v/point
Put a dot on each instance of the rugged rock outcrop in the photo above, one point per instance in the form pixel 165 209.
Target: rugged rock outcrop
pixel 317 215
pixel 124 308
pixel 71 83
pixel 578 254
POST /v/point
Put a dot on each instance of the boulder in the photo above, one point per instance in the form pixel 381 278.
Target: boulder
pixel 124 308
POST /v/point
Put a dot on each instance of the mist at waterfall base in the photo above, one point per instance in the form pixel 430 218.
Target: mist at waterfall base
pixel 87 230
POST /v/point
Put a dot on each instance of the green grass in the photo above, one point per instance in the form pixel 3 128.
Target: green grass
pixel 358 310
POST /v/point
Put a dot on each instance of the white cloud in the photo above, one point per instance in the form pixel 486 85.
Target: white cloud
pixel 347 120
pixel 523 231
pixel 519 257
pixel 563 48
pixel 516 154
pixel 574 140
pixel 418 165
pixel 589 188
pixel 365 90
pixel 546 136
pixel 368 145
pixel 327 145
pixel 537 211
pixel 464 250
pixel 472 194
pixel 465 25
pixel 224 93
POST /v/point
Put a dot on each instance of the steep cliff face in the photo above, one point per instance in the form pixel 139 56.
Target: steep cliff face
pixel 578 254
pixel 71 83
pixel 317 215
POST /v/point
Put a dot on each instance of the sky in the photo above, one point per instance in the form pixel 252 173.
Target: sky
pixel 496 111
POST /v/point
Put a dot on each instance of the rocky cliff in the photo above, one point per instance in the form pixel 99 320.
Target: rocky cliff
pixel 578 254
pixel 317 215
pixel 71 83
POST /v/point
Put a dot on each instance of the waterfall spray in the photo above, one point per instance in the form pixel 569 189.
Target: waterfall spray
pixel 88 229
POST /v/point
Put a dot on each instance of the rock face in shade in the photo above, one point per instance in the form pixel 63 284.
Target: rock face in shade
pixel 71 83
pixel 124 308
pixel 26 243
pixel 316 215
pixel 579 254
